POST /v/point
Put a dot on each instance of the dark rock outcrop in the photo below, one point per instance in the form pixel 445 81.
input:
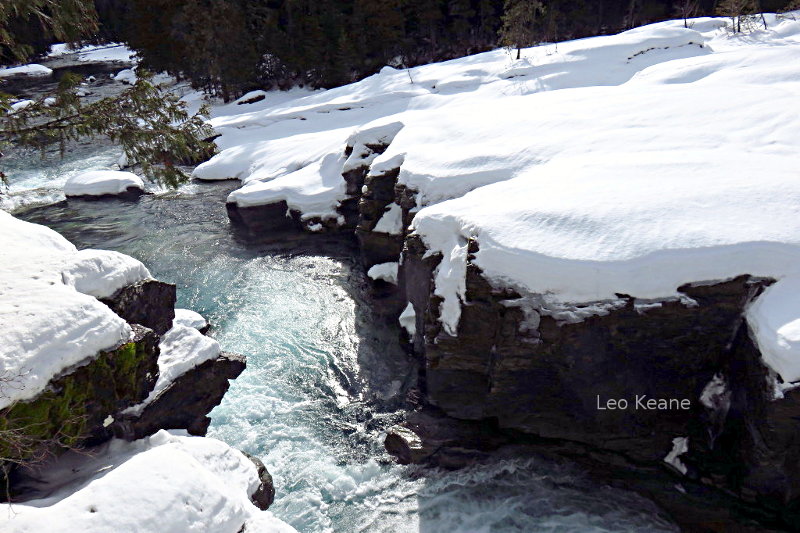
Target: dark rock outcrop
pixel 265 494
pixel 428 436
pixel 686 367
pixel 185 403
pixel 130 194
pixel 74 410
pixel 150 303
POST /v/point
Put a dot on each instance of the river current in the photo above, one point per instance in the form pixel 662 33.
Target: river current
pixel 324 379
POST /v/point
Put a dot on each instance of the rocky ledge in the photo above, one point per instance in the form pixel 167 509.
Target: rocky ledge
pixel 674 386
pixel 656 393
pixel 91 403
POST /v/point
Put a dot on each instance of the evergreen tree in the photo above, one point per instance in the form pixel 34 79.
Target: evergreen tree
pixel 460 14
pixel 381 30
pixel 519 24
pixel 65 20
pixel 220 58
pixel 152 126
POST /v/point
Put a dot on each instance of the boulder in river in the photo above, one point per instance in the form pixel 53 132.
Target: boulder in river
pixel 104 184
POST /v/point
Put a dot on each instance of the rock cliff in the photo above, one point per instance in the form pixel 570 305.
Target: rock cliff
pixel 672 390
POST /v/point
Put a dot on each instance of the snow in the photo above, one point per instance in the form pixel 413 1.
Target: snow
pixel 20 105
pixel 774 319
pixel 100 273
pixel 165 483
pixel 302 190
pixel 50 318
pixel 391 222
pixel 127 75
pixel 680 445
pixel 408 320
pixel 100 182
pixel 630 163
pixel 384 271
pixel 25 70
pixel 95 53
pixel 182 348
pixel 713 395
pixel 190 319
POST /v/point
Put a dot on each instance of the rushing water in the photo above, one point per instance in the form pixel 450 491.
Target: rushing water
pixel 324 380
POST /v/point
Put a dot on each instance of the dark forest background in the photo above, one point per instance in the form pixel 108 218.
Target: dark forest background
pixel 227 47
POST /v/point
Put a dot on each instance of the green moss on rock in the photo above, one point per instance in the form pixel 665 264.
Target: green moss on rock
pixel 73 409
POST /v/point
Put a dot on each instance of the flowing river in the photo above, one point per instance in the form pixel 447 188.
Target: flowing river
pixel 324 379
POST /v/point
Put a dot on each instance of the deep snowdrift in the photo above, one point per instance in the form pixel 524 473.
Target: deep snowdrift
pixel 50 318
pixel 165 484
pixel 631 163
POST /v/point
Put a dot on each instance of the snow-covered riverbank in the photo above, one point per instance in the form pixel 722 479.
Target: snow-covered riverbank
pixel 606 171
pixel 631 164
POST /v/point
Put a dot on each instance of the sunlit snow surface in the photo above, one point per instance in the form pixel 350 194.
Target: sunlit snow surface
pixel 630 163
pixel 308 403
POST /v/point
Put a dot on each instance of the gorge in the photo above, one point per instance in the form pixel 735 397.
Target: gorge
pixel 403 270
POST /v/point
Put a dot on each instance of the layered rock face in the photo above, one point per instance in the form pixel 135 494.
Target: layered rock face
pixel 677 384
pixel 672 388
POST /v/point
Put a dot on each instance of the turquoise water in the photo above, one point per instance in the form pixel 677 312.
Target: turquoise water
pixel 324 378
pixel 324 381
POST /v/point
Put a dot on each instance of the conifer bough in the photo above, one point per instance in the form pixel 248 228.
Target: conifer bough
pixel 151 124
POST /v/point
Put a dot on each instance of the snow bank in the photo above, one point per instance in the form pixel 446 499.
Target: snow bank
pixel 190 319
pixel 25 70
pixel 100 182
pixel 162 484
pixel 630 163
pixel 314 190
pixel 774 319
pixel 182 348
pixel 95 53
pixel 384 271
pixel 127 75
pixel 50 318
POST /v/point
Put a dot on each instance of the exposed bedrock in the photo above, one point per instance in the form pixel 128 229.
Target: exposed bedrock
pixel 186 401
pixel 263 220
pixel 150 303
pixel 84 405
pixel 686 368
pixel 265 493
pixel 74 409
